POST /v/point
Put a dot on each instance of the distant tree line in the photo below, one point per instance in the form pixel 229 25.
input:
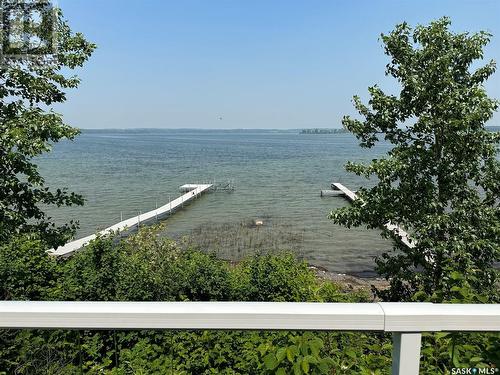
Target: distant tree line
pixel 323 131
pixel 343 131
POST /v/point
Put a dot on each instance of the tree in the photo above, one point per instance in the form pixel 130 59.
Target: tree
pixel 441 179
pixel 33 76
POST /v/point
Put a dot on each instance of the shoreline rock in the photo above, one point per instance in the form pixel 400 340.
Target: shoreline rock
pixel 350 282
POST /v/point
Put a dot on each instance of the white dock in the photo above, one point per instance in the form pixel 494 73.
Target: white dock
pixel 348 193
pixel 193 191
pixel 402 234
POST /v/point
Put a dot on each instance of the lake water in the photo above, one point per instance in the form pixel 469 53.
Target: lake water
pixel 277 176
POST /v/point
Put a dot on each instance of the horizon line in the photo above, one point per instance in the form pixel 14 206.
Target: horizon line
pixel 189 128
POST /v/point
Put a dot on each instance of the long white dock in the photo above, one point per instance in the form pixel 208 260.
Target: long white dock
pixel 402 234
pixel 192 191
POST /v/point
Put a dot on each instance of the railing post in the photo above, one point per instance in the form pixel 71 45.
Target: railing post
pixel 406 353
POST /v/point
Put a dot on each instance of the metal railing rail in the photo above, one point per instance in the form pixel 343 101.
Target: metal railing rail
pixel 406 321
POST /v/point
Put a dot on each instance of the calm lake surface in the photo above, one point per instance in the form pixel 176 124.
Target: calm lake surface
pixel 277 175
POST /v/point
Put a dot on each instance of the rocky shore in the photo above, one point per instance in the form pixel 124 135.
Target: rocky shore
pixel 350 282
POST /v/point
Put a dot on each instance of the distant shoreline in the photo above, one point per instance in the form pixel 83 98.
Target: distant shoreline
pixel 277 130
pixel 343 131
pixel 324 131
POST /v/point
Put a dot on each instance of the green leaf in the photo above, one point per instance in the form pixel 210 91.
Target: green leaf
pixel 270 361
pixel 291 352
pixel 305 365
pixel 311 359
pixel 296 369
pixel 315 346
pixel 281 354
pixel 482 298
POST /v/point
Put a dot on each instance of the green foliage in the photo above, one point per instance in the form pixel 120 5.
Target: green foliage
pixel 300 356
pixel 26 272
pixel 37 352
pixel 443 351
pixel 145 358
pixel 148 267
pixel 202 277
pixel 274 278
pixel 28 86
pixel 143 268
pixel 91 275
pixel 441 179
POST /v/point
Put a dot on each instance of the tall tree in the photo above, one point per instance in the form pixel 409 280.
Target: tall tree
pixel 39 52
pixel 441 179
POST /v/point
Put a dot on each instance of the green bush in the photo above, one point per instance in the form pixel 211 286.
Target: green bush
pixel 273 278
pixel 26 271
pixel 92 274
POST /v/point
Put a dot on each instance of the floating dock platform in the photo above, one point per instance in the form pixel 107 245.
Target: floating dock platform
pixel 340 189
pixel 191 191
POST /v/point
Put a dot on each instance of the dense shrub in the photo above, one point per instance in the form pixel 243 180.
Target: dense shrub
pixel 91 275
pixel 26 272
pixel 274 278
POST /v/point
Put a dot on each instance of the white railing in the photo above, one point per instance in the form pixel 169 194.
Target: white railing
pixel 405 320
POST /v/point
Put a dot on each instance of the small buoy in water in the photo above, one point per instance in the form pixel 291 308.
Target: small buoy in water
pixel 258 223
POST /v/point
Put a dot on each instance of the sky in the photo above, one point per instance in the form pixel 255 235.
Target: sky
pixel 244 64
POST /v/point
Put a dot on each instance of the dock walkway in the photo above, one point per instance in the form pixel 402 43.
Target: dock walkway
pixel 192 192
pixel 402 234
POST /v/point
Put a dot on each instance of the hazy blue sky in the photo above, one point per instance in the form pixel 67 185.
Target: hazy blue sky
pixel 256 63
